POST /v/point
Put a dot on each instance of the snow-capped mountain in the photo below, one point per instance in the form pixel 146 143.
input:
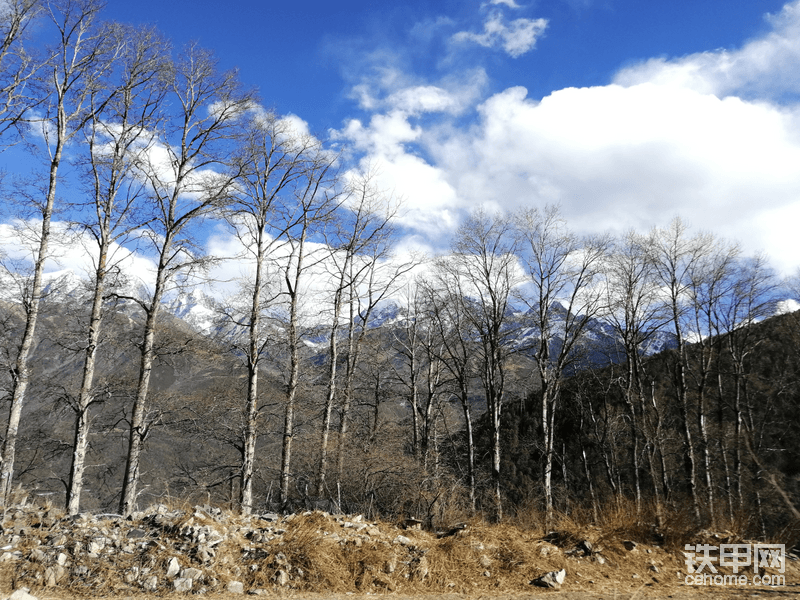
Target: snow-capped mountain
pixel 196 309
pixel 199 311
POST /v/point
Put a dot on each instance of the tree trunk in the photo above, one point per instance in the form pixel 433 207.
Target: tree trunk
pixel 21 372
pixel 138 425
pixel 251 410
pixel 85 398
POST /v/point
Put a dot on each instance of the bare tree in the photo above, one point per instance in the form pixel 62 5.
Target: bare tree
pixel 17 65
pixel 710 285
pixel 361 238
pixel 116 138
pixel 564 274
pixel 186 179
pixel 273 161
pixel 82 58
pixel 311 206
pixel 674 256
pixel 457 354
pixel 484 271
pixel 637 314
pixel 750 300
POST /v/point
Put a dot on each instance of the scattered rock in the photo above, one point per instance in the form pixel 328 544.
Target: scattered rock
pixel 182 584
pixel 629 545
pixel 150 584
pixel 553 579
pixel 22 594
pixel 234 587
pixel 173 568
pixel 191 573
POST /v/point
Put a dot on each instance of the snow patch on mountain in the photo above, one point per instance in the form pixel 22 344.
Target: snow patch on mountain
pixel 196 309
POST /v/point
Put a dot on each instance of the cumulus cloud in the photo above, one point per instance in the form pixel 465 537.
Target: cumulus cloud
pixel 515 37
pixel 765 67
pixel 712 137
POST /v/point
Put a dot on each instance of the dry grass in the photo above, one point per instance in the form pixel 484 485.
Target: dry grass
pixel 315 552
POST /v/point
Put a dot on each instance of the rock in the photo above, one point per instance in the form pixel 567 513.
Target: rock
pixel 281 577
pixel 182 584
pixel 586 547
pixel 137 533
pixel 599 559
pixel 173 567
pixel 412 523
pixel 270 517
pixel 150 584
pixel 391 565
pixel 402 540
pixel 191 573
pixel 235 587
pixel 553 579
pixel 22 594
pixel 485 561
pixel 205 555
pixel 38 555
pixel 131 575
pixel 52 575
pixel 454 530
pixel 629 545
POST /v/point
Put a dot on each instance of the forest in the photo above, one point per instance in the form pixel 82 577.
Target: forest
pixel 528 368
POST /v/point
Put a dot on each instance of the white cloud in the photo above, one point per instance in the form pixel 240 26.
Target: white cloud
pixel 712 137
pixel 515 37
pixel 509 3
pixel 765 67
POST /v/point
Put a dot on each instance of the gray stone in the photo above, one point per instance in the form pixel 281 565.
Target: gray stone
pixel 52 575
pixel 150 584
pixel 22 594
pixel 38 555
pixel 235 587
pixel 402 540
pixel 281 577
pixel 629 545
pixel 191 573
pixel 182 584
pixel 553 579
pixel 137 533
pixel 173 567
pixel 131 575
pixel 10 556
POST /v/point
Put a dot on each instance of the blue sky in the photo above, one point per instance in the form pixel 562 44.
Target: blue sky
pixel 625 112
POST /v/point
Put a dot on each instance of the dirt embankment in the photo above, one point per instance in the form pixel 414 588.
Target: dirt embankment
pixel 162 552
